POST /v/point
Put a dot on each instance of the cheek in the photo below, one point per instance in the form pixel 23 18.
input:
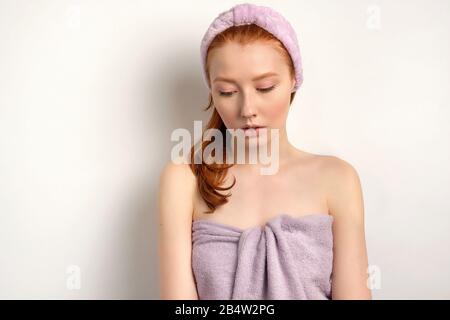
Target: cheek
pixel 277 109
pixel 228 115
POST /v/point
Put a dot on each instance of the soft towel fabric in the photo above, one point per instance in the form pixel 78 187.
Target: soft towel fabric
pixel 264 17
pixel 289 258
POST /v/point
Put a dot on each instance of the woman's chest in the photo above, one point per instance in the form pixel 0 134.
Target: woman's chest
pixel 256 199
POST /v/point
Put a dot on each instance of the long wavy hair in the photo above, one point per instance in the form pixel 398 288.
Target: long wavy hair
pixel 210 177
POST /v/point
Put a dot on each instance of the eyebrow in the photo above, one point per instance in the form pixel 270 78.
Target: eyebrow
pixel 264 75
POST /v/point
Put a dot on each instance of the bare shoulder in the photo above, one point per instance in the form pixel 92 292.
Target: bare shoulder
pixel 333 166
pixel 175 206
pixel 345 203
pixel 328 166
pixel 176 187
pixel 174 172
pixel 343 185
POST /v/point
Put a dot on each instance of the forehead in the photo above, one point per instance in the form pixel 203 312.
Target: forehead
pixel 245 61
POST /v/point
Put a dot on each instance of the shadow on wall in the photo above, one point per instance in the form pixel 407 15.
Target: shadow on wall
pixel 175 97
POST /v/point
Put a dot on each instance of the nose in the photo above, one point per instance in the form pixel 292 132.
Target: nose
pixel 247 110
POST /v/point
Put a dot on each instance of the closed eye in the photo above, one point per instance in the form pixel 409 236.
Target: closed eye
pixel 225 94
pixel 263 90
pixel 267 89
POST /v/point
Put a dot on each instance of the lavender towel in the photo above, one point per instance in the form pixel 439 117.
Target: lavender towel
pixel 288 258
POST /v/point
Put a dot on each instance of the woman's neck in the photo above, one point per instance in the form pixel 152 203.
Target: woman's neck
pixel 276 152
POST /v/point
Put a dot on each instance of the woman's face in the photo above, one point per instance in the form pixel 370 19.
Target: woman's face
pixel 250 85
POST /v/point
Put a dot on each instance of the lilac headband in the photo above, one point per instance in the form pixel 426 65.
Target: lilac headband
pixel 262 16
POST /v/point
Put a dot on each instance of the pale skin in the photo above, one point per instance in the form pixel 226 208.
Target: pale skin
pixel 305 183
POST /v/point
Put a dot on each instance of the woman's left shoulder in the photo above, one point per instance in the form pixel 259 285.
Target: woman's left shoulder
pixel 329 168
pixel 343 187
pixel 335 167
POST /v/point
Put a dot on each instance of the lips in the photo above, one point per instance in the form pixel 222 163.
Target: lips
pixel 251 127
pixel 250 133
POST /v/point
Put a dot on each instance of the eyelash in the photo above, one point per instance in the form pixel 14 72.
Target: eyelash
pixel 229 94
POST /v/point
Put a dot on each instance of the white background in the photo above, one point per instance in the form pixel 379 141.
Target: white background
pixel 91 90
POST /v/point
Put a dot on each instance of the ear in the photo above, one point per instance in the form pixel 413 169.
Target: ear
pixel 294 82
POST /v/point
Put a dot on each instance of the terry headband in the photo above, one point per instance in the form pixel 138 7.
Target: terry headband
pixel 262 16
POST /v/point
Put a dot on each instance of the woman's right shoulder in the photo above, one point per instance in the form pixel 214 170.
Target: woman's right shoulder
pixel 177 173
pixel 176 189
pixel 177 182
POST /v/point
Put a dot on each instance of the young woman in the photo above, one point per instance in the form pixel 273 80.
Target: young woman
pixel 297 233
